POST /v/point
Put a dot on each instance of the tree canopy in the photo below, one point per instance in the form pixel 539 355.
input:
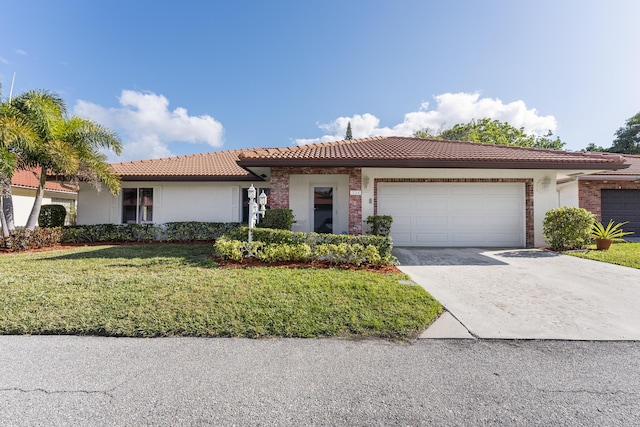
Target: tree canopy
pixel 349 134
pixel 489 131
pixel 53 143
pixel 627 137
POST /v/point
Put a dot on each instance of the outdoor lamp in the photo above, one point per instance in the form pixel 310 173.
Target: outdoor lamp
pixel 254 211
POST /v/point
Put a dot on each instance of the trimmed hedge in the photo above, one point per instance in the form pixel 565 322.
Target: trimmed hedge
pixel 380 225
pixel 52 216
pixel 267 236
pixel 22 240
pixel 169 232
pixel 568 227
pixel 281 219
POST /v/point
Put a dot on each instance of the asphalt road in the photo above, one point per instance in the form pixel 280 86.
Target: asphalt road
pixel 55 381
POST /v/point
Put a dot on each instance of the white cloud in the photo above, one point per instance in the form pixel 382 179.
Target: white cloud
pixel 4 61
pixel 21 52
pixel 451 108
pixel 147 126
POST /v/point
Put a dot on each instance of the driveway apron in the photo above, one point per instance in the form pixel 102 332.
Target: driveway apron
pixel 529 293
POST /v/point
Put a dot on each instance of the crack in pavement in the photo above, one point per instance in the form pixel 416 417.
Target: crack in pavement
pixel 43 390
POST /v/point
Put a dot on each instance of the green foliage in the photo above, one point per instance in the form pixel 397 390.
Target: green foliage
pixel 568 227
pixel 268 236
pixel 52 216
pixel 171 232
pixel 627 137
pixel 380 225
pixel 626 254
pixel 282 252
pixel 22 240
pixel 489 131
pixel 594 148
pixel 611 231
pixel 281 219
pixel 231 249
pixel 349 134
pixel 193 231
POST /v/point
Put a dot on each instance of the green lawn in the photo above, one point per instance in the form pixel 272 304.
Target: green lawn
pixel 174 290
pixel 627 254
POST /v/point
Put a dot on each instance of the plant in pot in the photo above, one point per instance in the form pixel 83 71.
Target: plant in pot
pixel 605 235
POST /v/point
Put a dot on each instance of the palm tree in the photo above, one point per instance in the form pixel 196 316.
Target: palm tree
pixel 15 134
pixel 66 146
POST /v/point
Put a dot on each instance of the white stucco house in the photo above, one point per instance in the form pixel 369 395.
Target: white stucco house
pixel 23 189
pixel 439 193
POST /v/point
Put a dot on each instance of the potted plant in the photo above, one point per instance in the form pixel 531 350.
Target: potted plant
pixel 604 236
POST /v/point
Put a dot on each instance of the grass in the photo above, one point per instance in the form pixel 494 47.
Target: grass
pixel 174 290
pixel 626 254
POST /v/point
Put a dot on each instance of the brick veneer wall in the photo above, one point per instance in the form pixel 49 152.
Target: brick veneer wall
pixel 528 191
pixel 590 193
pixel 279 183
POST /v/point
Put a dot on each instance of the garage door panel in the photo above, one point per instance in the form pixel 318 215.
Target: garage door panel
pixel 455 214
pixel 621 206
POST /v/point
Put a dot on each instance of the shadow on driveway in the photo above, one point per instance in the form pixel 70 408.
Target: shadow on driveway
pixel 444 256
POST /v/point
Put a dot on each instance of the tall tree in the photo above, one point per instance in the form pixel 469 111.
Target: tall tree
pixel 349 133
pixel 14 134
pixel 489 131
pixel 627 137
pixel 66 146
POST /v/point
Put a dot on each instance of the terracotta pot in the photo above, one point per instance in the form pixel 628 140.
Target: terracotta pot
pixel 603 244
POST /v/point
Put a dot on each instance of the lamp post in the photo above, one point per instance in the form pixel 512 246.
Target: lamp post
pixel 254 211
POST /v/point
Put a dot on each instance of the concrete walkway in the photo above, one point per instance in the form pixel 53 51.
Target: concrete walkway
pixel 526 294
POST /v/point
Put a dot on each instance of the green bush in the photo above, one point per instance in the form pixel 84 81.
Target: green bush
pixel 379 225
pixel 52 216
pixel 338 248
pixel 22 240
pixel 568 227
pixel 280 219
pixel 171 231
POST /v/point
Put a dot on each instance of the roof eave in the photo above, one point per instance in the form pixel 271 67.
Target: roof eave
pixel 184 178
pixel 412 163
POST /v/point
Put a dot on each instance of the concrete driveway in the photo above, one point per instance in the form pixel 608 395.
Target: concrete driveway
pixel 529 293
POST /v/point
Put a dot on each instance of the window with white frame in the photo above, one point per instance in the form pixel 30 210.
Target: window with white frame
pixel 137 205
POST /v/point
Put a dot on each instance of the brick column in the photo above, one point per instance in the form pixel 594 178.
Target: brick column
pixel 355 201
pixel 279 193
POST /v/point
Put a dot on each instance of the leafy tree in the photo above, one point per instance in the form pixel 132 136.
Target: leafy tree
pixel 594 148
pixel 349 134
pixel 627 137
pixel 489 131
pixel 65 146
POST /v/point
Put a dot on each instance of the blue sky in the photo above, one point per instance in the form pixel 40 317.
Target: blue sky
pixel 186 77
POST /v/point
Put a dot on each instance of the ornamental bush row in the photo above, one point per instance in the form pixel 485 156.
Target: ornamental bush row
pixel 269 236
pixel 169 232
pixel 342 253
pixel 22 240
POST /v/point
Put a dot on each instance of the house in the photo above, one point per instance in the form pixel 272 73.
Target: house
pixel 614 194
pixel 23 189
pixel 439 193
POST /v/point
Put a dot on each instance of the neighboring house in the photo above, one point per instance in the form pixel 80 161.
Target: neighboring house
pixel 439 193
pixel 614 195
pixel 23 189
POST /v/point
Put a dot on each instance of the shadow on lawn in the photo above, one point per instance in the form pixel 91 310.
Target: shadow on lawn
pixel 194 254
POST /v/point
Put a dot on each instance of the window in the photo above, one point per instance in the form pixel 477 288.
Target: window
pixel 245 201
pixel 137 205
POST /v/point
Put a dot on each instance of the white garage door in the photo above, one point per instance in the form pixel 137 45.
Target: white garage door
pixel 454 214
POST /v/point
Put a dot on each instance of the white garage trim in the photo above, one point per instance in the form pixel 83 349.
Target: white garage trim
pixel 443 213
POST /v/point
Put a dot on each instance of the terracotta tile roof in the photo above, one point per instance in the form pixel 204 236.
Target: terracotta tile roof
pixel 417 152
pixel 221 165
pixel 26 179
pixel 633 169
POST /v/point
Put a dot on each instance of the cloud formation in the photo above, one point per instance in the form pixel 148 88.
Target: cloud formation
pixel 147 126
pixel 450 109
pixel 3 60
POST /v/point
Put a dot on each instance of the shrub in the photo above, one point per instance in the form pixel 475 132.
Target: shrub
pixel 171 231
pixel 380 225
pixel 52 216
pixel 335 248
pixel 21 240
pixel 568 227
pixel 281 219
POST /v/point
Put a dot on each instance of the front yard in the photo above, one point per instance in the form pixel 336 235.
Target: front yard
pixel 175 290
pixel 626 254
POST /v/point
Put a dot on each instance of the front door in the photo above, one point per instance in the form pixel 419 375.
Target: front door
pixel 323 209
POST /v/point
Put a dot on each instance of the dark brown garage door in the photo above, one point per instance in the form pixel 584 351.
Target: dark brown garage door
pixel 621 206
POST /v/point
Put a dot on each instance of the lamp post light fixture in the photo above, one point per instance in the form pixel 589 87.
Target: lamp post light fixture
pixel 254 211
